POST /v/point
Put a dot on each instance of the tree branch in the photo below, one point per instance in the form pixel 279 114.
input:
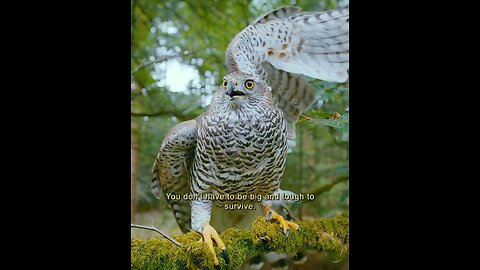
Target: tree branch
pixel 156 61
pixel 132 19
pixel 328 186
pixel 158 231
pixel 149 19
pixel 177 113
pixel 322 235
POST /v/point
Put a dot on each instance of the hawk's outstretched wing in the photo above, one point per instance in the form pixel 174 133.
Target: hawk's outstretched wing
pixel 314 44
pixel 171 167
pixel 285 44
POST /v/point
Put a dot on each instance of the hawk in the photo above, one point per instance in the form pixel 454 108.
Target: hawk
pixel 239 146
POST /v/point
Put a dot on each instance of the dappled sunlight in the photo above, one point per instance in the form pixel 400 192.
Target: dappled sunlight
pixel 178 76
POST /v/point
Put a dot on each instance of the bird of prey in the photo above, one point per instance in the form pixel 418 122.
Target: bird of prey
pixel 240 144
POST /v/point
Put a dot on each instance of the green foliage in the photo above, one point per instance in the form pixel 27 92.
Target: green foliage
pixel 197 33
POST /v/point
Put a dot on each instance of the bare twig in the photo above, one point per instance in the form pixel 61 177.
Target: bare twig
pixel 328 186
pixel 156 61
pixel 162 59
pixel 177 113
pixel 158 231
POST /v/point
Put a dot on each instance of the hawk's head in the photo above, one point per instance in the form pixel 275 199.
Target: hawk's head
pixel 238 85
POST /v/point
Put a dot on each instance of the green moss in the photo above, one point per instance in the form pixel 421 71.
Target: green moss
pixel 331 235
pixel 328 235
pixel 272 237
pixel 157 254
pixel 323 235
pixel 240 247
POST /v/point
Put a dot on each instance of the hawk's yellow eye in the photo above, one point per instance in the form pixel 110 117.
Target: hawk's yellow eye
pixel 249 84
pixel 225 83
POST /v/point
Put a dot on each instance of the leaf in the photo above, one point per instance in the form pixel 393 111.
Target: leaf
pixel 341 124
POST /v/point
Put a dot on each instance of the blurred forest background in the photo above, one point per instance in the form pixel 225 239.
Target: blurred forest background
pixel 177 61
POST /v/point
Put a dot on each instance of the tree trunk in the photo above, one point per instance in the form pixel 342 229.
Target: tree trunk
pixel 135 155
pixel 134 169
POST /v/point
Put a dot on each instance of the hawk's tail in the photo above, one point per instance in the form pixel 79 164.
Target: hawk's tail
pixel 182 211
pixel 156 189
pixel 181 208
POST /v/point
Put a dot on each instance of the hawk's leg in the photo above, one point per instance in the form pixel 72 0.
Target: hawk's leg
pixel 272 215
pixel 201 211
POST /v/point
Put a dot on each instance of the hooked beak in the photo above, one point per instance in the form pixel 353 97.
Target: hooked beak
pixel 231 91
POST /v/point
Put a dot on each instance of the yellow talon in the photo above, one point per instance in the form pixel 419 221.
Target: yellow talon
pixel 210 233
pixel 284 224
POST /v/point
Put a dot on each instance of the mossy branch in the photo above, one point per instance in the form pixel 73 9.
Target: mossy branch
pixel 322 235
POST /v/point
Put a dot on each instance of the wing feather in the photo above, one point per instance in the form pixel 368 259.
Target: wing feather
pixel 315 44
pixel 285 44
pixel 171 169
pixel 293 94
pixel 279 13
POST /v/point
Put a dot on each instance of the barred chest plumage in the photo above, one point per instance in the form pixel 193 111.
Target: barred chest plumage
pixel 240 151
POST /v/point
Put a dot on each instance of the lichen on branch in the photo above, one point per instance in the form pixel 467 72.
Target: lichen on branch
pixel 322 235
